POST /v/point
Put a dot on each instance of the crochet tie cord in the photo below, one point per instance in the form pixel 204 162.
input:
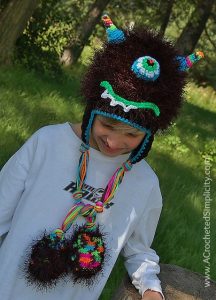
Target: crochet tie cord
pixel 82 255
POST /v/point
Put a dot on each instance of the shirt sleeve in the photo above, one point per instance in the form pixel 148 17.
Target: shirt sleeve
pixel 12 183
pixel 142 262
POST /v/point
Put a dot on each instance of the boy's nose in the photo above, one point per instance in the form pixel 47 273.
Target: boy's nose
pixel 114 142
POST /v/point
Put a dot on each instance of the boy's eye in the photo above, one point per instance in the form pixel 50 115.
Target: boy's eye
pixel 131 134
pixel 107 126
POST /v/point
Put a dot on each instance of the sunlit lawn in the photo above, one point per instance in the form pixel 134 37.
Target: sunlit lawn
pixel 28 102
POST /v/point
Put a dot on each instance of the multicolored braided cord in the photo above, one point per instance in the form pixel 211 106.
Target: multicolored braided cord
pixel 89 211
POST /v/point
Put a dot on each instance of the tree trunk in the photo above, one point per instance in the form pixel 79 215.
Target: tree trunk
pixel 165 10
pixel 177 284
pixel 3 4
pixel 195 26
pixel 12 23
pixel 73 51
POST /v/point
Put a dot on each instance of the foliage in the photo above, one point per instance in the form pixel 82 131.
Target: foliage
pixel 55 24
pixel 174 143
pixel 203 73
pixel 148 14
pixel 52 26
pixel 35 47
pixel 209 150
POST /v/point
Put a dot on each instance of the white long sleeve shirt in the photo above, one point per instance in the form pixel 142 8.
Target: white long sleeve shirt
pixel 36 187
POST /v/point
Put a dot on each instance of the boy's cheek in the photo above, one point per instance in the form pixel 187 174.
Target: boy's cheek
pixel 135 143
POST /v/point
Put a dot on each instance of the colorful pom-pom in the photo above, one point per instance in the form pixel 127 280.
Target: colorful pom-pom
pixel 87 254
pixel 146 68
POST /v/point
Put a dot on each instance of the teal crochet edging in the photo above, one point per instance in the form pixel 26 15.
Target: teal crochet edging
pixel 132 158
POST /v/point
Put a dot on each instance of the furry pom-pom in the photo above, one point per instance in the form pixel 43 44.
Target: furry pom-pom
pixel 87 254
pixel 48 261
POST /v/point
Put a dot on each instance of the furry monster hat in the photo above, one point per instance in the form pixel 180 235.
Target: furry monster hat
pixel 137 78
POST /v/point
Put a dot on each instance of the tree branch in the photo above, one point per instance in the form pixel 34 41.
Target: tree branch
pixel 209 38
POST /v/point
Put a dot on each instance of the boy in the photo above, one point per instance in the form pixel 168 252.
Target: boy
pixel 133 88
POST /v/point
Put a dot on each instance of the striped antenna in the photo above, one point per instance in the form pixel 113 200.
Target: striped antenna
pixel 114 35
pixel 186 62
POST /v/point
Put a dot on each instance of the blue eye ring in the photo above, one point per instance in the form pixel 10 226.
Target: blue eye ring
pixel 146 68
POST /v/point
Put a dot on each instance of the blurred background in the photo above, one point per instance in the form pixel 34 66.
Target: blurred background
pixel 46 46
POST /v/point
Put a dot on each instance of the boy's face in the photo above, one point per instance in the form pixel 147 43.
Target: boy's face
pixel 113 139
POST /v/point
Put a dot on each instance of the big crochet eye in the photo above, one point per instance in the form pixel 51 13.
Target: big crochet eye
pixel 146 68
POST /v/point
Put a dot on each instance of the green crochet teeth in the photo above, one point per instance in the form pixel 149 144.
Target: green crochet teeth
pixel 126 104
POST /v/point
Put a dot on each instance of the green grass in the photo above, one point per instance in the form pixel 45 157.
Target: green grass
pixel 28 102
pixel 178 158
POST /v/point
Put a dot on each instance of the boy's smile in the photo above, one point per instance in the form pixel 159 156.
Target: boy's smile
pixel 114 138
